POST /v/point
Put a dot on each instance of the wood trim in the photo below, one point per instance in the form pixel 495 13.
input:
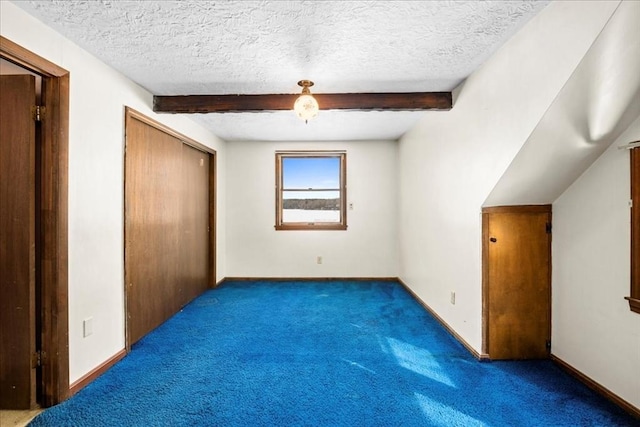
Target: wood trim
pixel 314 226
pixel 485 283
pixel 55 341
pixel 27 59
pixel 597 387
pixel 634 304
pixel 130 112
pixel 54 219
pixel 518 209
pixel 305 279
pixel 303 153
pixel 278 102
pixel 480 356
pixel 96 372
pixel 213 225
pixel 634 292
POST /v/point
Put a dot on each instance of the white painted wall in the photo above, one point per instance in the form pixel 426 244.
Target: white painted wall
pixel 597 104
pixel 96 135
pixel 593 328
pixel 368 248
pixel 450 161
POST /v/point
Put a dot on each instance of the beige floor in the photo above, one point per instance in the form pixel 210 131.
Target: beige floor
pixel 17 418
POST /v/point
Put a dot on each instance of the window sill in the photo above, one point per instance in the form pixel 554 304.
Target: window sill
pixel 285 227
pixel 634 304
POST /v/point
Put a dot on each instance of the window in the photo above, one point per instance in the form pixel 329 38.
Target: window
pixel 311 190
pixel 634 298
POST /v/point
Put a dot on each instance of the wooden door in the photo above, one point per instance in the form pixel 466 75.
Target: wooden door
pixel 517 288
pixel 152 229
pixel 17 242
pixel 167 225
pixel 194 245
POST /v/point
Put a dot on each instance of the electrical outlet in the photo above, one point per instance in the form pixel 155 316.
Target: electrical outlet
pixel 350 206
pixel 319 260
pixel 453 298
pixel 87 327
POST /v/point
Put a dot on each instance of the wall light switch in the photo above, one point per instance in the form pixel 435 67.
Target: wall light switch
pixel 87 327
pixel 319 260
pixel 453 298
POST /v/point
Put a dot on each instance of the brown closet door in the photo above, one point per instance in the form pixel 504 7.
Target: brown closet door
pixel 194 245
pixel 517 266
pixel 152 226
pixel 167 259
pixel 17 243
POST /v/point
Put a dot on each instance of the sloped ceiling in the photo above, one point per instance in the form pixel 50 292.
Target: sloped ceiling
pixel 255 47
pixel 599 101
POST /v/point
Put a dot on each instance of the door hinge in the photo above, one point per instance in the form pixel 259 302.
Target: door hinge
pixel 37 112
pixel 548 345
pixel 548 228
pixel 36 359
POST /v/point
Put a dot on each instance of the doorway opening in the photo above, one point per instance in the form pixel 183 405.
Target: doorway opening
pixel 46 378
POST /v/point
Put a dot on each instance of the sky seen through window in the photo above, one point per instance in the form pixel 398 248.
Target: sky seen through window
pixel 311 172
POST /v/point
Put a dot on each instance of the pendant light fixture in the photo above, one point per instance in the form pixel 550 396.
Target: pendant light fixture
pixel 306 106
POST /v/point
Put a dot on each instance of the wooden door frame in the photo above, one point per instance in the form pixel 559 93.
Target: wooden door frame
pixel 532 209
pixel 54 219
pixel 132 114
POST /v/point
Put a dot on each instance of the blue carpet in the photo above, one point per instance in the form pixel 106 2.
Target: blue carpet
pixel 335 353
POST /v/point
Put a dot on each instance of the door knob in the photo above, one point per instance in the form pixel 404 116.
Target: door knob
pixel 493 239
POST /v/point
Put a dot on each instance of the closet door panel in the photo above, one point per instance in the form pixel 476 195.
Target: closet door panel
pixel 194 256
pixel 152 226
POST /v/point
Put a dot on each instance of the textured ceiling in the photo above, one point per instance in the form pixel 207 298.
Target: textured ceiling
pixel 254 47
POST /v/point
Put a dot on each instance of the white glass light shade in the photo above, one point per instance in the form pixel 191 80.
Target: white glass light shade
pixel 306 107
